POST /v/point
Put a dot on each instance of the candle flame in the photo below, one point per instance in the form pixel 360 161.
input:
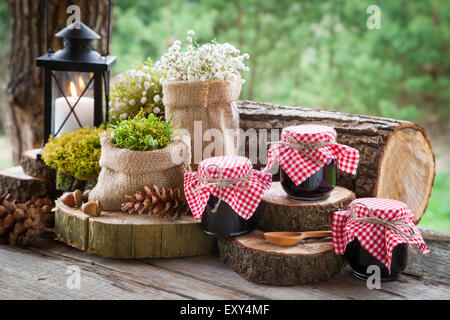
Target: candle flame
pixel 81 83
pixel 73 89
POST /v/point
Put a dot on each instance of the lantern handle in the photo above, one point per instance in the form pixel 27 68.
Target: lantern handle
pixel 47 38
pixel 108 26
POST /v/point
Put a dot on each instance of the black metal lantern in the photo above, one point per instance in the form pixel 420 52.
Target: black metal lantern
pixel 75 80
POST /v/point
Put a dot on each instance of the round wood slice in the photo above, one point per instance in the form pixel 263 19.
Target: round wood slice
pixel 257 260
pixel 277 212
pixel 120 235
pixel 34 166
pixel 22 186
pixel 396 160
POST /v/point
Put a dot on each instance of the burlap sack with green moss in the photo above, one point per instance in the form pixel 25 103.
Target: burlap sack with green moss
pixel 212 102
pixel 123 171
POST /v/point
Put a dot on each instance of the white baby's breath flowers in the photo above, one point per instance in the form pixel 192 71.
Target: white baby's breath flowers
pixel 220 61
pixel 136 89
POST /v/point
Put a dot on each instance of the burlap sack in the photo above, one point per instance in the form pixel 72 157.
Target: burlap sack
pixel 123 171
pixel 212 102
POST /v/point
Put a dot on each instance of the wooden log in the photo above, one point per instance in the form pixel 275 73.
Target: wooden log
pixel 22 186
pixel 34 166
pixel 277 212
pixel 257 260
pixel 120 235
pixel 397 161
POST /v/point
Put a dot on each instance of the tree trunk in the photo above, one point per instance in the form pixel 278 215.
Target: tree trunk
pixel 24 86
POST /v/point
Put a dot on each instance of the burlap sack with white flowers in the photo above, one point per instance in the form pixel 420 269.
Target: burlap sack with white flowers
pixel 123 171
pixel 198 106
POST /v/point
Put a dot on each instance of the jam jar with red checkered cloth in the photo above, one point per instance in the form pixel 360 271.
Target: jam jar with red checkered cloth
pixel 374 234
pixel 309 156
pixel 224 193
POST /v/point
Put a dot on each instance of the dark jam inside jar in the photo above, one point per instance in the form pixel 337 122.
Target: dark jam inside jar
pixel 225 222
pixel 359 259
pixel 316 187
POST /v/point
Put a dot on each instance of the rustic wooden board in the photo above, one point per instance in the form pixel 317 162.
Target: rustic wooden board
pixel 40 272
pixel 257 260
pixel 277 212
pixel 120 235
pixel 30 275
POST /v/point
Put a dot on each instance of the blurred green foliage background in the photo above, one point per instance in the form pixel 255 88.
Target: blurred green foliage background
pixel 318 54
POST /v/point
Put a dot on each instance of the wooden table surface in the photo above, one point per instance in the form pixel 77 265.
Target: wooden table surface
pixel 40 272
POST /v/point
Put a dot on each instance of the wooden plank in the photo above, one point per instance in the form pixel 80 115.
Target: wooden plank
pixel 39 272
pixel 343 286
pixel 29 275
pixel 139 272
pixel 434 265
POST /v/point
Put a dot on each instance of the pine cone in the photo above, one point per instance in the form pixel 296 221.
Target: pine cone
pixel 168 203
pixel 20 223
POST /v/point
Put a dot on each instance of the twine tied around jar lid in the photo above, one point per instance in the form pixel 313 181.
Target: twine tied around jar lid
pixel 393 225
pixel 302 147
pixel 221 182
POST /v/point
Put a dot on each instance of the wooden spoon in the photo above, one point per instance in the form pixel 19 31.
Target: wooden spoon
pixel 286 239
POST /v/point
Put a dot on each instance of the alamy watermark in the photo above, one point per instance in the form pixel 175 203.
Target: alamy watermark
pixel 74 279
pixel 74 18
pixel 374 20
pixel 374 280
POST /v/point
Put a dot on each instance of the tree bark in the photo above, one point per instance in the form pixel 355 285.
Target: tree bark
pixel 24 86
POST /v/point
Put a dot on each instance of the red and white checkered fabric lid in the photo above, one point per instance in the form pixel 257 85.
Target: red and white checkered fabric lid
pixel 244 202
pixel 299 167
pixel 377 239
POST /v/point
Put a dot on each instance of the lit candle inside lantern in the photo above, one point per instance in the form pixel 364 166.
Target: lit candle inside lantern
pixel 84 110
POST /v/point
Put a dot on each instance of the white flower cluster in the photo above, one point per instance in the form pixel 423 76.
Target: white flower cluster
pixel 138 88
pixel 220 61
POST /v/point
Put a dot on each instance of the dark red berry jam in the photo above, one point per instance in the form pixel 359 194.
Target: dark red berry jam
pixel 225 222
pixel 316 187
pixel 359 259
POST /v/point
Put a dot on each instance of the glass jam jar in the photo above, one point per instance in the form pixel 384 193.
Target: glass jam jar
pixel 316 187
pixel 359 259
pixel 225 222
pixel 376 232
pixel 225 193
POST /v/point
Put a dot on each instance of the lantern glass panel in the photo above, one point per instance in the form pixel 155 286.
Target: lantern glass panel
pixel 73 101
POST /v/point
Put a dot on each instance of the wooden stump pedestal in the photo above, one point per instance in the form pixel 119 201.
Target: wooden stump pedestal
pixel 120 235
pixel 34 166
pixel 22 186
pixel 277 212
pixel 257 260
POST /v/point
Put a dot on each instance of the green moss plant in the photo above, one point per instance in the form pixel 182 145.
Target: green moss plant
pixel 75 153
pixel 142 133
